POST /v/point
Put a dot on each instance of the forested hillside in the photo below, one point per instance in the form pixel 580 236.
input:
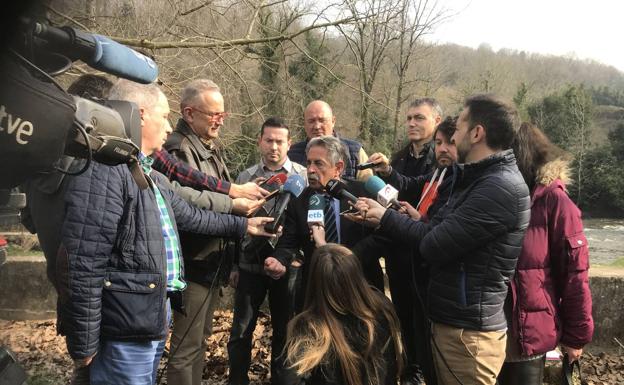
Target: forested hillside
pixel 368 59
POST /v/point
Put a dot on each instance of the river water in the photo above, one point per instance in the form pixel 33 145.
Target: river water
pixel 606 239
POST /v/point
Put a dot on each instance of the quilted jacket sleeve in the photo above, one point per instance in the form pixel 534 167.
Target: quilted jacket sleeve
pixel 94 206
pixel 192 219
pixel 490 210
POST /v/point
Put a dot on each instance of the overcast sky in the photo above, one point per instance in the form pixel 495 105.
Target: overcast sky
pixel 588 29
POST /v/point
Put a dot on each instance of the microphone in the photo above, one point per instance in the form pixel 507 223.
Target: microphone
pixel 364 166
pixel 274 185
pixel 386 194
pixel 99 52
pixel 338 189
pixel 316 210
pixel 293 187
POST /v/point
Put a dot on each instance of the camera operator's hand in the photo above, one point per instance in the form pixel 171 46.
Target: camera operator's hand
pixel 255 226
pixel 382 164
pixel 82 362
pixel 246 207
pixel 274 268
pixel 248 190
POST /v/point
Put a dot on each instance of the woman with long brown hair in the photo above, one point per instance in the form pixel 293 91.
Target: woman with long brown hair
pixel 348 332
pixel 549 301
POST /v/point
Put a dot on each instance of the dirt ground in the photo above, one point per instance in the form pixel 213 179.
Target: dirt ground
pixel 43 354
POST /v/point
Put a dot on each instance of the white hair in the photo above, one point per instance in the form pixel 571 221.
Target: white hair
pixel 144 95
pixel 194 89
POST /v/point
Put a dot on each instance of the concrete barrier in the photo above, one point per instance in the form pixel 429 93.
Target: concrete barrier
pixel 607 297
pixel 26 293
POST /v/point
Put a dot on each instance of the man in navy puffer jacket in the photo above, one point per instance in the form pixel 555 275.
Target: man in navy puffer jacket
pixel 120 255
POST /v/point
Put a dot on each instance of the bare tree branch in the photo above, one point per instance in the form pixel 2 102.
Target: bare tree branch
pixel 68 18
pixel 145 43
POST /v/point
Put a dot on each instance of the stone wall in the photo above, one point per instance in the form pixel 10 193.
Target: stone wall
pixel 25 293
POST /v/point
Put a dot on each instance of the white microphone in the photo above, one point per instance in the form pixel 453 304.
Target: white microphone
pixel 388 196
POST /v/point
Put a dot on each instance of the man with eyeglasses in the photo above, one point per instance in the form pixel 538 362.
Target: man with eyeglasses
pixel 319 120
pixel 205 260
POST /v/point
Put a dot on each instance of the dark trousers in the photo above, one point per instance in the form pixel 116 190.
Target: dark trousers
pixel 408 296
pixel 250 293
pixel 523 372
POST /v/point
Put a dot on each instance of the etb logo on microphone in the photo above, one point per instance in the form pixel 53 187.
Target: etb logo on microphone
pixel 315 215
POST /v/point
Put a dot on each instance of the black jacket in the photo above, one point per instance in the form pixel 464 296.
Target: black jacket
pixel 472 244
pixel 406 164
pixel 295 241
pixel 112 262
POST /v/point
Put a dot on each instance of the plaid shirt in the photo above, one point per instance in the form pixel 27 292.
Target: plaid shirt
pixel 187 175
pixel 172 243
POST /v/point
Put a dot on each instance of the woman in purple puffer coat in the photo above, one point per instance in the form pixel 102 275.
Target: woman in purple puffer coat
pixel 549 300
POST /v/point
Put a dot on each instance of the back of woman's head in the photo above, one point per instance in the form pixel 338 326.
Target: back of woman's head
pixel 336 283
pixel 337 290
pixel 533 150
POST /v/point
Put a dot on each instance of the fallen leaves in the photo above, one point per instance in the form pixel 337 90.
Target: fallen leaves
pixel 43 353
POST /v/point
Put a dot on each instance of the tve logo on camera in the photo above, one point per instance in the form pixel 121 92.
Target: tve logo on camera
pixel 15 124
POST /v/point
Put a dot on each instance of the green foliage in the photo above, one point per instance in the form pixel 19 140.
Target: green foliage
pixel 271 55
pixel 603 189
pixel 381 132
pixel 520 99
pixel 616 139
pixel 606 96
pixel 312 79
pixel 565 117
pixel 240 152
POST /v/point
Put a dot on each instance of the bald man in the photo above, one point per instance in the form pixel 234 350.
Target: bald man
pixel 319 120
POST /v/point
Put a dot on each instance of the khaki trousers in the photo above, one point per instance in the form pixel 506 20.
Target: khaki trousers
pixel 474 357
pixel 187 359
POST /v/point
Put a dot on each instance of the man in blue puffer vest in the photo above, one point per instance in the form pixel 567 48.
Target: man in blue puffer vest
pixel 318 121
pixel 120 257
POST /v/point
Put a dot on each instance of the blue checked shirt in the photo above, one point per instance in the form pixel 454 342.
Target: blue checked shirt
pixel 172 243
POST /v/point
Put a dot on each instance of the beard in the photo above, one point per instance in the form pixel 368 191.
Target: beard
pixel 463 149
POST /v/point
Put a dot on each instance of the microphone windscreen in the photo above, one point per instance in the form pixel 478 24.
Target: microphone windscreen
pixel 294 185
pixel 316 209
pixel 117 59
pixel 274 183
pixel 374 184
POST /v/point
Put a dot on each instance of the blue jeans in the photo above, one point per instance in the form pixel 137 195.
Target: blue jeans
pixel 127 362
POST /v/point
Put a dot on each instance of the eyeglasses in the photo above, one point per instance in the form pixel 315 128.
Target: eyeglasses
pixel 212 115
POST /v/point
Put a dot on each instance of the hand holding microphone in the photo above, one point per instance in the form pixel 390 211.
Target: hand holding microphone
pixel 369 213
pixel 292 188
pixel 316 219
pixel 378 162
